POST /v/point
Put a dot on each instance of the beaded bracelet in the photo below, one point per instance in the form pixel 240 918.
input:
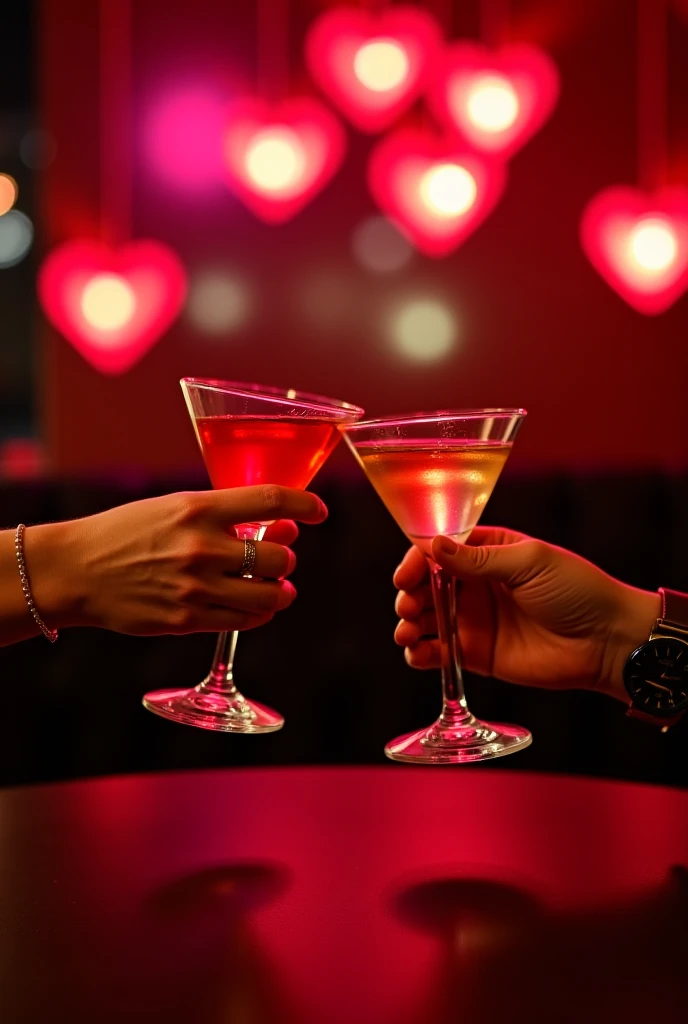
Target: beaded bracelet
pixel 51 634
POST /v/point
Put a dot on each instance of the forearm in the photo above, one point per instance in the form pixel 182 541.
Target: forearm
pixel 49 562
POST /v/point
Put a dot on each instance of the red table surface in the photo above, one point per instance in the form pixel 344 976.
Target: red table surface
pixel 327 895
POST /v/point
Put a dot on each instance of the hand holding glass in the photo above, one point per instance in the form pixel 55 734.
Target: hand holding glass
pixel 249 434
pixel 435 473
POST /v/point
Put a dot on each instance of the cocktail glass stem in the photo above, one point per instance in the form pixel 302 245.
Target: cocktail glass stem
pixel 455 712
pixel 220 679
pixel 457 735
pixel 216 703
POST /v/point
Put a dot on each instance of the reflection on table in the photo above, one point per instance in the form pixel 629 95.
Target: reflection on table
pixel 305 896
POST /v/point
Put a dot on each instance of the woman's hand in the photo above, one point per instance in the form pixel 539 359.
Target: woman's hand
pixel 169 564
pixel 528 612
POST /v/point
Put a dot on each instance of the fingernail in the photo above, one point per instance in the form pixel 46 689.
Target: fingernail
pixel 447 546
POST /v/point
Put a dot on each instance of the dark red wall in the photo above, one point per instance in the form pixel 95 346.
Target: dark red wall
pixel 605 386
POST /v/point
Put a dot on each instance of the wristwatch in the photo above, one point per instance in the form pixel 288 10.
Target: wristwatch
pixel 656 673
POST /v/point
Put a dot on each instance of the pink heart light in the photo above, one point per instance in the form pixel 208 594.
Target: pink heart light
pixel 278 158
pixel 112 304
pixel 638 242
pixel 434 189
pixel 373 66
pixel 496 99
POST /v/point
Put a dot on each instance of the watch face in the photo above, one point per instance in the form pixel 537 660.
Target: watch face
pixel 656 677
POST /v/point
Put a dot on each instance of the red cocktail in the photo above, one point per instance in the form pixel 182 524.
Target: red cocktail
pixel 249 434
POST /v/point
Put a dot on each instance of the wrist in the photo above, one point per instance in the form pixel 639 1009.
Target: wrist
pixel 51 554
pixel 637 614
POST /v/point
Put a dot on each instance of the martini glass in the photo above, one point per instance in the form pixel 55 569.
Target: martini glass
pixel 249 434
pixel 435 473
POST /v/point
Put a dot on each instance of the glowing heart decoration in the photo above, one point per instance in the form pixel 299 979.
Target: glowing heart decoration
pixel 278 158
pixel 495 99
pixel 638 242
pixel 435 190
pixel 112 304
pixel 373 66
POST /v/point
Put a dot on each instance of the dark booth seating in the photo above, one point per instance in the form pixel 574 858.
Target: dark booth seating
pixel 74 709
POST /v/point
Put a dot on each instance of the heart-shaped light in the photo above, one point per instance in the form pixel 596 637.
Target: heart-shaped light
pixel 373 65
pixel 496 99
pixel 278 158
pixel 638 242
pixel 435 189
pixel 112 304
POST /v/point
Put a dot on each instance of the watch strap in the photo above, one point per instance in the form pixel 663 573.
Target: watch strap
pixel 673 623
pixel 642 716
pixel 674 611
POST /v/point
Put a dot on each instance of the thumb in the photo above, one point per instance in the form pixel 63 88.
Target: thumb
pixel 513 564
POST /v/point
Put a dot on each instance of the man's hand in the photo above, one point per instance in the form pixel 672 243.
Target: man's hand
pixel 529 612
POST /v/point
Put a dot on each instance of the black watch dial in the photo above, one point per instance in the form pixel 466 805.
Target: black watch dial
pixel 656 677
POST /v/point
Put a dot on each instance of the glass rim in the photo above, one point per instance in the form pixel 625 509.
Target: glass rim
pixel 246 389
pixel 438 416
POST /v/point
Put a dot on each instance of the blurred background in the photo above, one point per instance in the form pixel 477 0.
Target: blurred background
pixel 112 129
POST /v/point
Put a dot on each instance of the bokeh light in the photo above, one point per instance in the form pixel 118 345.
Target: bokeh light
pixel 183 138
pixel 653 244
pixel 381 65
pixel 108 302
pixel 448 190
pixel 16 236
pixel 112 303
pixel 22 458
pixel 424 330
pixel 218 302
pixel 380 247
pixel 275 160
pixel 637 241
pixel 37 149
pixel 492 103
pixel 8 193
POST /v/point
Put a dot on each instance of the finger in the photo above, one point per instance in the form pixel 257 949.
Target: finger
pixel 412 570
pixel 220 620
pixel 411 605
pixel 477 625
pixel 408 633
pixel 264 504
pixel 424 655
pixel 513 564
pixel 273 561
pixel 254 596
pixel 284 531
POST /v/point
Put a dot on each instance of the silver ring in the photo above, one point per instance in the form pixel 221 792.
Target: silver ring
pixel 250 555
